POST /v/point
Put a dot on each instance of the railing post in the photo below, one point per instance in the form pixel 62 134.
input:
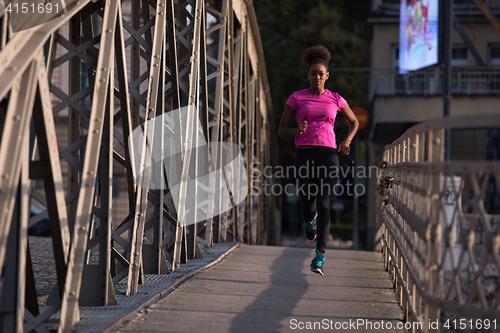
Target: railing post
pixel 417 156
pixel 433 281
pixel 404 271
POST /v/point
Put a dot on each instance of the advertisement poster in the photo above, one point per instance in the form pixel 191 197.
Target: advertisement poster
pixel 418 34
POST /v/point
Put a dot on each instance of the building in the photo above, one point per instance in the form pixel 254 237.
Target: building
pixel 400 101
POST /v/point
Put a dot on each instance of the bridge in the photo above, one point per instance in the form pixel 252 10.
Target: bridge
pixel 83 92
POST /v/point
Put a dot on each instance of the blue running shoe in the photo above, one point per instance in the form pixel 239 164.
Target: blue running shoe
pixel 317 263
pixel 311 228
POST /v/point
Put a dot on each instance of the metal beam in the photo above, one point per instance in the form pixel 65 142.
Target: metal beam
pixel 69 310
pixel 468 42
pixel 487 12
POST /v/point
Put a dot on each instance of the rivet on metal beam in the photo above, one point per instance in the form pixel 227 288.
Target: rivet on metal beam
pixel 102 80
pixel 109 30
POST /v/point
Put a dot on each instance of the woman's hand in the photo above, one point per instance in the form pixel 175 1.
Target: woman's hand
pixel 302 127
pixel 353 128
pixel 344 147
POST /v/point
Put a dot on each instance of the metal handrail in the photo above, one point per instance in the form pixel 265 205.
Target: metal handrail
pixel 441 258
pixel 456 122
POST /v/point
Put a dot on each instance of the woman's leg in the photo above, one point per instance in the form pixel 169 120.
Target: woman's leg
pixel 325 183
pixel 305 181
pixel 323 221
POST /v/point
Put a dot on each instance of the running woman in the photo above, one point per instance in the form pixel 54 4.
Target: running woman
pixel 315 109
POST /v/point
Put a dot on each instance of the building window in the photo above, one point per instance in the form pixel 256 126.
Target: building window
pixel 397 80
pixel 395 57
pixel 494 54
pixel 460 55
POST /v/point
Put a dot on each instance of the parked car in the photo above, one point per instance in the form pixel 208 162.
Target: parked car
pixel 41 228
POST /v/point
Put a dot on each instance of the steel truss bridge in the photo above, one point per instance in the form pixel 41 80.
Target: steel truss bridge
pixel 72 91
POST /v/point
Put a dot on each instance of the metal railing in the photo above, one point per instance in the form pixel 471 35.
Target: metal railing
pixel 439 235
pixel 429 83
pixel 144 60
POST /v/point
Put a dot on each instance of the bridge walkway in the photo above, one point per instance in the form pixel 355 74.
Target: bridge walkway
pixel 271 289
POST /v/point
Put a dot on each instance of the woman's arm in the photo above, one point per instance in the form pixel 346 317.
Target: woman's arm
pixel 286 117
pixel 353 128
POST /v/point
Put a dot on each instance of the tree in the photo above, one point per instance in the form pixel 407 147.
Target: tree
pixel 287 28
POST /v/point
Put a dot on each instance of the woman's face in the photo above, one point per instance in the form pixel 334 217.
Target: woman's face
pixel 317 76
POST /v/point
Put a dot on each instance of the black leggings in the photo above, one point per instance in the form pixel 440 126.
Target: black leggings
pixel 317 172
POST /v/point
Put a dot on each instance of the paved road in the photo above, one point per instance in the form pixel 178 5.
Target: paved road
pixel 271 289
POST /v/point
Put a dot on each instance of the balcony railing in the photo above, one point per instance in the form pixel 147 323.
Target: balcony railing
pixel 430 83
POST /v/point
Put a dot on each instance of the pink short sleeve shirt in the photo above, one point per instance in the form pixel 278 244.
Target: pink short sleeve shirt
pixel 319 112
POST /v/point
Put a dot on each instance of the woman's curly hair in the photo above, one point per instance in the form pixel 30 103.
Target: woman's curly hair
pixel 316 55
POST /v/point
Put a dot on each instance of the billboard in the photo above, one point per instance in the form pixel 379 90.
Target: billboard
pixel 418 34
